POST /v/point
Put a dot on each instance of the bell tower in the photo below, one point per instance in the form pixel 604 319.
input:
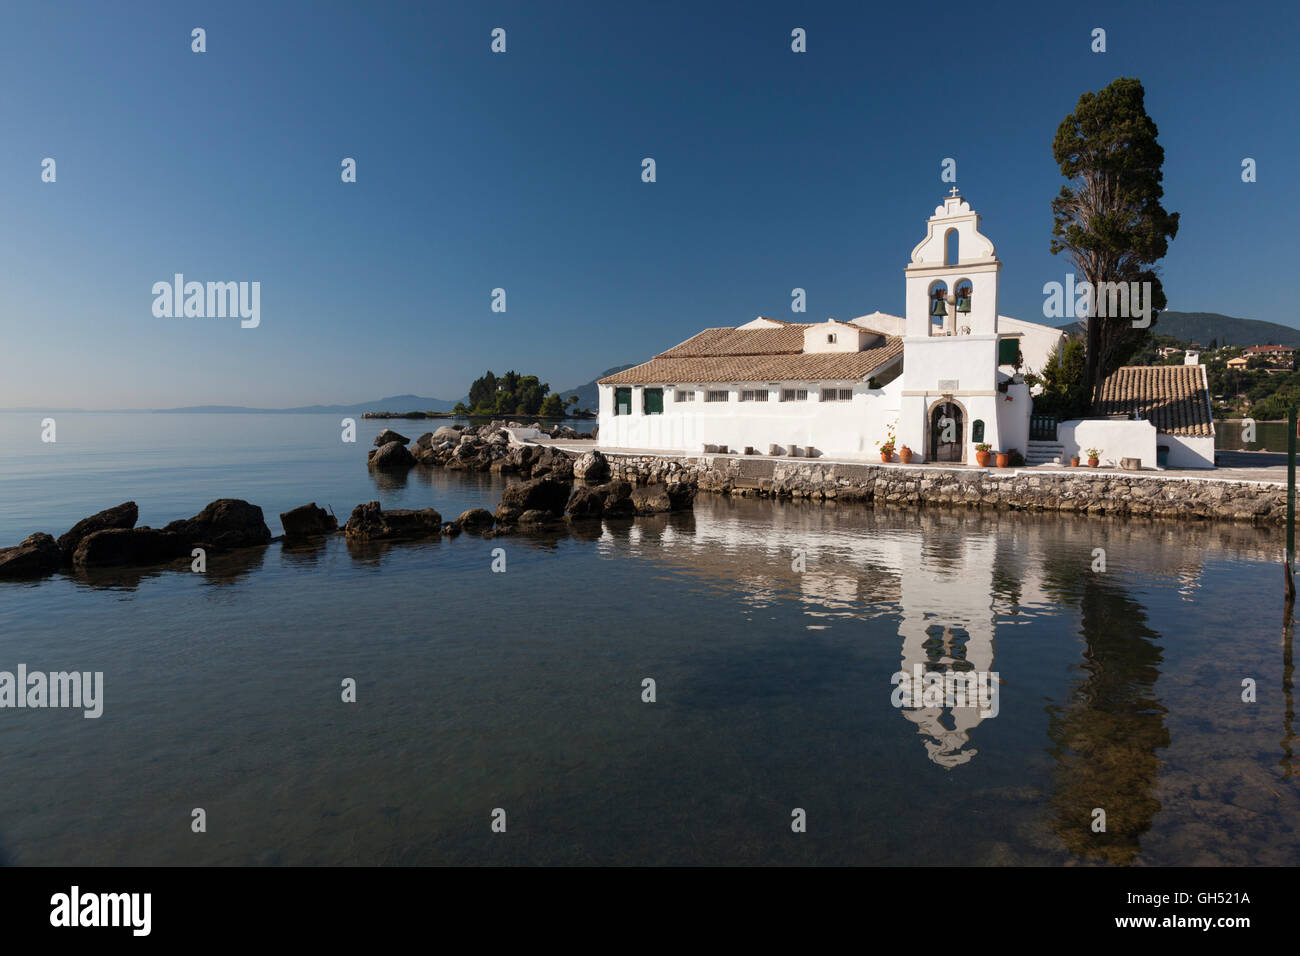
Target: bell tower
pixel 952 280
pixel 950 399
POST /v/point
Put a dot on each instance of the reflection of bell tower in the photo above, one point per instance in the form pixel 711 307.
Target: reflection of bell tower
pixel 947 627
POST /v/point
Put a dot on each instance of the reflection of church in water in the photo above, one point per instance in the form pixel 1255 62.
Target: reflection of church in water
pixel 947 628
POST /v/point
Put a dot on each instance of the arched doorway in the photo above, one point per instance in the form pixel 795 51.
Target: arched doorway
pixel 947 432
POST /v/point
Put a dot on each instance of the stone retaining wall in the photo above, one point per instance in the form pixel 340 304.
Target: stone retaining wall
pixel 1087 491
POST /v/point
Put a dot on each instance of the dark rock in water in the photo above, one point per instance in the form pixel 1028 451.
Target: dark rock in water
pixel 535 517
pixel 124 515
pixel 507 515
pixel 307 520
pixel 681 495
pixel 392 456
pixel 425 440
pixel 223 524
pixel 591 466
pixel 617 497
pixel 585 503
pixel 372 522
pixel 619 508
pixel 388 435
pixel 544 494
pixel 613 490
pixel 35 555
pixel 476 519
pixel 134 546
pixel 554 462
pixel 651 501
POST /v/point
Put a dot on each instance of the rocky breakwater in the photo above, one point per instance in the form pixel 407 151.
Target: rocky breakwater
pixel 1172 495
pixel 111 539
pixel 474 448
pixel 548 500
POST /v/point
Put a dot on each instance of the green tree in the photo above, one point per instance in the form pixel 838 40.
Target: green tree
pixel 1109 219
pixel 1063 394
pixel 552 407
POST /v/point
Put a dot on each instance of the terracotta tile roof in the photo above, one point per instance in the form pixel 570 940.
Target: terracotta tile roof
pixel 716 342
pixel 1174 398
pixel 676 367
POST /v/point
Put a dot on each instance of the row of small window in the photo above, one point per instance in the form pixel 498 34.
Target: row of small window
pixel 653 398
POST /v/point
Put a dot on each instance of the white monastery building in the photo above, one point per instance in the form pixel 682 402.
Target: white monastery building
pixel 944 377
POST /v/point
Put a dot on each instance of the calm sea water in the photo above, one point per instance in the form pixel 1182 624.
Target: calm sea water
pixel 771 631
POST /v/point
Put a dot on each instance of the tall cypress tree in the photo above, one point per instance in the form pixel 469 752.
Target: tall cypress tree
pixel 1108 219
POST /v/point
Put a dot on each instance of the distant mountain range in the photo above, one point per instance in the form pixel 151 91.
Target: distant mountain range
pixel 1202 327
pixel 393 403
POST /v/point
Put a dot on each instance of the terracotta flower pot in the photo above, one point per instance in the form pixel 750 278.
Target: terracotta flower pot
pixel 905 455
pixel 886 456
pixel 1093 462
pixel 1004 459
pixel 982 458
pixel 1074 461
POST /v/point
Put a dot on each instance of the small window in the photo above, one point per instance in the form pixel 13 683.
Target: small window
pixel 794 394
pixel 622 401
pixel 685 396
pixel 719 395
pixel 977 430
pixel 830 338
pixel 653 402
pixel 1008 351
pixel 837 395
pixel 754 395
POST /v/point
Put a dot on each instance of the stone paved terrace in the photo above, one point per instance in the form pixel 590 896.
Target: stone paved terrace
pixel 1253 466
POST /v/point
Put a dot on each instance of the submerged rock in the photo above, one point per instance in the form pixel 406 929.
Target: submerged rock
pixel 36 555
pixel 651 501
pixel 584 502
pixel 544 494
pixel 131 546
pixel 124 515
pixel 475 519
pixel 391 456
pixel 307 520
pixel 223 524
pixel 371 522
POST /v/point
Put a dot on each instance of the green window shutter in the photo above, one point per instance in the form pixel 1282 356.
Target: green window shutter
pixel 1008 349
pixel 622 401
pixel 977 430
pixel 654 401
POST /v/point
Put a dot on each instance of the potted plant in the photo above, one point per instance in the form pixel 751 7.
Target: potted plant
pixel 982 452
pixel 887 446
pixel 1004 459
pixel 1094 457
pixel 905 455
pixel 1074 461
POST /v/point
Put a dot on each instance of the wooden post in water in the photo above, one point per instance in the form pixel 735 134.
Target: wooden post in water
pixel 1290 504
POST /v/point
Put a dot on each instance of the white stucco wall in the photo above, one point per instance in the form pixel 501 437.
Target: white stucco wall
pixel 849 429
pixel 1013 419
pixel 1036 341
pixel 1188 452
pixel 1114 439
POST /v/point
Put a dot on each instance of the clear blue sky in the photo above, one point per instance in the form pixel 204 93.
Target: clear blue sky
pixel 523 171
